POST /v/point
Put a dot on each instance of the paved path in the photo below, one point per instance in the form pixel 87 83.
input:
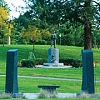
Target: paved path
pixel 50 78
pixel 41 66
pixel 59 95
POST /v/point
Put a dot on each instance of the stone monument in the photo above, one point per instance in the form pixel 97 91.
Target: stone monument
pixel 53 53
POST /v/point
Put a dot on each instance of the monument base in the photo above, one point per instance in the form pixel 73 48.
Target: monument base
pixel 53 64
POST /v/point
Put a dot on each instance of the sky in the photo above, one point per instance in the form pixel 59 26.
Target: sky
pixel 16 3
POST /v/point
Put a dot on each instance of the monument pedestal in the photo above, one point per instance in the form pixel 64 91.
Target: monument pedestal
pixel 53 55
pixel 53 58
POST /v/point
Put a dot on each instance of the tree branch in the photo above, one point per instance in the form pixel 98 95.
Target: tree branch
pixel 97 3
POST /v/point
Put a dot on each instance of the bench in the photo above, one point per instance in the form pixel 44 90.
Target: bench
pixel 49 88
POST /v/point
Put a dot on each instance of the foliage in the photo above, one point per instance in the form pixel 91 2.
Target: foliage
pixel 30 62
pixel 27 63
pixel 31 33
pixel 31 18
pixel 96 36
pixel 40 61
pixel 58 12
pixel 5 23
pixel 45 35
pixel 71 34
pixel 75 63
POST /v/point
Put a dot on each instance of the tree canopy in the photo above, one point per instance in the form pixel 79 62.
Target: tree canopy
pixel 3 18
pixel 73 19
pixel 57 12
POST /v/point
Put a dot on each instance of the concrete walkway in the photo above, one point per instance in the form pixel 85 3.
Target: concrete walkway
pixel 64 95
pixel 51 78
pixel 59 95
pixel 48 78
pixel 42 66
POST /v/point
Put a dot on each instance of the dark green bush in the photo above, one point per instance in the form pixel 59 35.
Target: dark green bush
pixel 31 63
pixel 40 61
pixel 77 63
pixel 27 63
pixel 73 62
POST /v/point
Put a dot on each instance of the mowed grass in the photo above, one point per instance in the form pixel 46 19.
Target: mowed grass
pixel 41 51
pixel 30 85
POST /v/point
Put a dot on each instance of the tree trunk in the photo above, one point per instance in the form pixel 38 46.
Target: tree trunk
pixel 87 28
pixel 3 40
pixel 33 46
pixel 9 40
pixel 87 37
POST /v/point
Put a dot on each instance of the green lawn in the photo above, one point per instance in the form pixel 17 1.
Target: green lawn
pixel 30 85
pixel 41 51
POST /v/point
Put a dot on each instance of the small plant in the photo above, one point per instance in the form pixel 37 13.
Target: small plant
pixel 31 56
pixel 30 62
pixel 84 95
pixel 46 94
pixel 5 96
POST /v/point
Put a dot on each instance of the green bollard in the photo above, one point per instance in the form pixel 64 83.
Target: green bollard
pixel 88 72
pixel 11 85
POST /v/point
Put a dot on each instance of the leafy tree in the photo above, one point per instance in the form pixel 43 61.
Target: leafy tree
pixel 45 36
pixel 96 36
pixel 60 11
pixel 32 34
pixel 72 33
pixel 3 24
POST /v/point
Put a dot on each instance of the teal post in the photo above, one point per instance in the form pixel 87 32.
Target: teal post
pixel 11 85
pixel 88 72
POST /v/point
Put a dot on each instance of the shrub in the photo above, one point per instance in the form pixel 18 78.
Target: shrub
pixel 77 63
pixel 31 63
pixel 73 62
pixel 40 61
pixel 27 63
